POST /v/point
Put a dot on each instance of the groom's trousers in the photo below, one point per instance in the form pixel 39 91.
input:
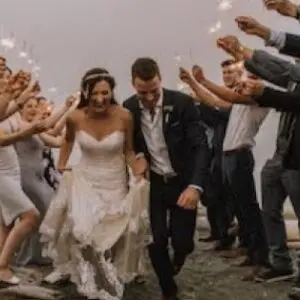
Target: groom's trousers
pixel 169 222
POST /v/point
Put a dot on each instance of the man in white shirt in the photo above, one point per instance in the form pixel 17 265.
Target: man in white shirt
pixel 167 130
pixel 238 162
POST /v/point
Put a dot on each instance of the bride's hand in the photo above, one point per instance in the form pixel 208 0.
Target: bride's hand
pixel 140 167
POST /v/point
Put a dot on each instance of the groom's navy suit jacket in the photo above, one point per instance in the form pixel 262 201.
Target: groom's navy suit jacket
pixel 184 135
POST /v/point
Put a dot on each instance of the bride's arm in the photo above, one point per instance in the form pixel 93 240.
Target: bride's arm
pixel 137 165
pixel 67 144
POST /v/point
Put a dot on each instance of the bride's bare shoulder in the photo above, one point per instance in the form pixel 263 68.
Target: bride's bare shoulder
pixel 75 116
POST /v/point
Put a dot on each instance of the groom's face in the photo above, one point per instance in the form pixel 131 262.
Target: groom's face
pixel 148 91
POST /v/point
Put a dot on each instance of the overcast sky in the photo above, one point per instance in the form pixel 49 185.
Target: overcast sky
pixel 70 36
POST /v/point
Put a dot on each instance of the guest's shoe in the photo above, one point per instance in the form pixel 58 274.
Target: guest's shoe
pixel 14 280
pixel 273 275
pixel 225 243
pixel 208 239
pixel 8 278
pixel 246 262
pixel 234 253
pixel 256 269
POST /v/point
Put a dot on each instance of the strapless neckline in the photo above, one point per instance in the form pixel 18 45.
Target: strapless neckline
pixel 106 137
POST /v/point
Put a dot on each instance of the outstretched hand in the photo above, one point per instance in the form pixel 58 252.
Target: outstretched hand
pixel 185 76
pixel 198 73
pixel 252 87
pixel 252 27
pixel 283 7
pixel 231 45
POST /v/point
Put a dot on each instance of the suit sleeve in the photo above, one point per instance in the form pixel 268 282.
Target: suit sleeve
pixel 292 45
pixel 212 116
pixel 270 68
pixel 196 138
pixel 283 101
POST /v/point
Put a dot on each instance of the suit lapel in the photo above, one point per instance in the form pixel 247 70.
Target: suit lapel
pixel 137 114
pixel 137 111
pixel 167 108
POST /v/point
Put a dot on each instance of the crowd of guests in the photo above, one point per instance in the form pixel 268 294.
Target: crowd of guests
pixel 183 167
pixel 238 111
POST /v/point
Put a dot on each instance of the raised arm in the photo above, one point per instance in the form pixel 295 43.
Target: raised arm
pixel 31 91
pixel 224 93
pixel 7 139
pixel 269 97
pixel 5 100
pixel 61 123
pixel 202 94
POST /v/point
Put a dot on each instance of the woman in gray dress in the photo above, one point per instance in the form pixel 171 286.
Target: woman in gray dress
pixel 30 153
pixel 14 204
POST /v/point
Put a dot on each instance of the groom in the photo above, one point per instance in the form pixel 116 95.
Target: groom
pixel 167 130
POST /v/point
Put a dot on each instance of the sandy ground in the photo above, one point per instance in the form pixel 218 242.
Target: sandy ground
pixel 206 276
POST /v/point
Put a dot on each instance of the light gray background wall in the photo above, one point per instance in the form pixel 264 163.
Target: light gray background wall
pixel 70 36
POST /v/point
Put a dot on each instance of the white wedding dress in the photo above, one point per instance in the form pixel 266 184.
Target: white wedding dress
pixel 95 229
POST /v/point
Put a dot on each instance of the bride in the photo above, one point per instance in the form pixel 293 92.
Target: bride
pixel 94 230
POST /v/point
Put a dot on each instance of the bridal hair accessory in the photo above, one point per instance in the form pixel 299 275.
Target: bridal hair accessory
pixel 93 76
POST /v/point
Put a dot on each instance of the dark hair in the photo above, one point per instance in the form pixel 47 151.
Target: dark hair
pixel 145 68
pixel 41 98
pixel 228 62
pixel 9 70
pixel 88 82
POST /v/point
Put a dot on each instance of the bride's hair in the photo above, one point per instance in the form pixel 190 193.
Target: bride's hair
pixel 88 82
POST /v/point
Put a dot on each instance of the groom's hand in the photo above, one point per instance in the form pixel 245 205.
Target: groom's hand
pixel 189 198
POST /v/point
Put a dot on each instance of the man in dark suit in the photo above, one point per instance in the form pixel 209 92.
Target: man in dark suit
pixel 168 132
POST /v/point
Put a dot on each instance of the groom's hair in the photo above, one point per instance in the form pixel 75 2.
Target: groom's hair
pixel 145 68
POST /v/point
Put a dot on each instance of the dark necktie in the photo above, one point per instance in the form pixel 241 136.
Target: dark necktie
pixel 152 113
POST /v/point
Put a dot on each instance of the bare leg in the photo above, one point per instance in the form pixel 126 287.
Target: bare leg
pixel 4 231
pixel 28 222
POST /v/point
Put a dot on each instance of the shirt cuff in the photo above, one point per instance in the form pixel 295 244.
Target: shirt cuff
pixel 277 40
pixel 197 187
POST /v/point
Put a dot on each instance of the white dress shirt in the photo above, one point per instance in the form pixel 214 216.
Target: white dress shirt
pixel 155 140
pixel 243 125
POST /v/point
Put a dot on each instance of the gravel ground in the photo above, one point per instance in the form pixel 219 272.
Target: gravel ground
pixel 205 276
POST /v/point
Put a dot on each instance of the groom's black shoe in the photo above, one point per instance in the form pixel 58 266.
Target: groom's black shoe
pixel 207 239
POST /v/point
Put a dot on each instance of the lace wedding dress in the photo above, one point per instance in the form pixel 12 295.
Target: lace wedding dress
pixel 95 228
